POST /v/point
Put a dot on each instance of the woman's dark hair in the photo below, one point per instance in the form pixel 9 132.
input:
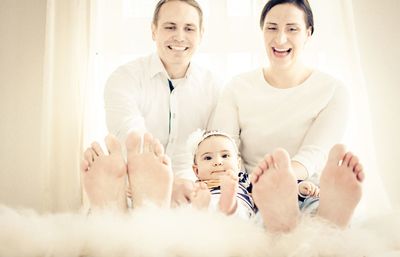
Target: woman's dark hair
pixel 302 4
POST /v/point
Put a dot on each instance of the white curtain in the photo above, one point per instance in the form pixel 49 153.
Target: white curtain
pixel 67 73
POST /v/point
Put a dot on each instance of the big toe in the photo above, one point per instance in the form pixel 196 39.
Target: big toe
pixel 281 158
pixel 113 144
pixel 336 154
pixel 148 143
pixel 133 142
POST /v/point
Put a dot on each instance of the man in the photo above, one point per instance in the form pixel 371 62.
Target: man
pixel 164 93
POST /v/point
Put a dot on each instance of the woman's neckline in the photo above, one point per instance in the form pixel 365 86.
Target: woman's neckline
pixel 291 85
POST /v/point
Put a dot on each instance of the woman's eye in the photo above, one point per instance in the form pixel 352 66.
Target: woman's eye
pixel 271 28
pixel 293 29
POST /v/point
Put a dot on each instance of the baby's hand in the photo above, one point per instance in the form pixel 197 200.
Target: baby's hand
pixel 308 189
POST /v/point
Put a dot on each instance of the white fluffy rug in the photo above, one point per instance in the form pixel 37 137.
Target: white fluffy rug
pixel 186 232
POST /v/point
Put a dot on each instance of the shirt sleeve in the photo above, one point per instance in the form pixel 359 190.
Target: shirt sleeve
pixel 327 129
pixel 121 107
pixel 225 116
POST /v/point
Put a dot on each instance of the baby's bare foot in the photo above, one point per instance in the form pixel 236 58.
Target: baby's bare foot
pixel 149 171
pixel 229 187
pixel 340 186
pixel 275 192
pixel 104 175
pixel 201 196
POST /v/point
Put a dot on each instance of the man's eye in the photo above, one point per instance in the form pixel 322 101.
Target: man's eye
pixel 271 28
pixel 189 29
pixel 170 28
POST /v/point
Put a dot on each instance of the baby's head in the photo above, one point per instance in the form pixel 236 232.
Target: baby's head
pixel 214 154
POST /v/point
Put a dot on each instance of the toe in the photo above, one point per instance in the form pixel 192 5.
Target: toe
pixel 148 143
pixel 359 173
pixel 134 142
pixel 84 166
pixel 113 145
pixel 257 172
pixel 88 156
pixel 158 148
pixel 97 149
pixel 281 158
pixel 347 159
pixel 336 154
pixel 353 162
pixel 166 160
pixel 361 176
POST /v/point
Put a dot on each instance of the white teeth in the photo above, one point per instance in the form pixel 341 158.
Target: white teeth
pixel 178 48
pixel 281 50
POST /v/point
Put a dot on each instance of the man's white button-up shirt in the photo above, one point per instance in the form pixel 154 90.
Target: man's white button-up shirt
pixel 137 97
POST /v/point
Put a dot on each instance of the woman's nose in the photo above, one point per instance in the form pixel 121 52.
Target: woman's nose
pixel 281 38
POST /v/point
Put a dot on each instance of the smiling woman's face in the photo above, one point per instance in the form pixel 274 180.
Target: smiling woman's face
pixel 215 155
pixel 285 34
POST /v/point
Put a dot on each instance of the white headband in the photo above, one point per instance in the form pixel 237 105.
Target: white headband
pixel 200 135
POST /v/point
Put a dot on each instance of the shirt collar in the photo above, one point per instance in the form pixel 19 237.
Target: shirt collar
pixel 157 67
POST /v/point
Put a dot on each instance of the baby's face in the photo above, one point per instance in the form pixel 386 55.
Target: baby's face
pixel 215 155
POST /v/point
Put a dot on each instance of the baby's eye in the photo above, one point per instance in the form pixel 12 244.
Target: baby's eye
pixel 225 156
pixel 207 158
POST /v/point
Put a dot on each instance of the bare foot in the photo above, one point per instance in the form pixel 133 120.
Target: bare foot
pixel 201 196
pixel 149 171
pixel 104 176
pixel 229 186
pixel 340 186
pixel 275 192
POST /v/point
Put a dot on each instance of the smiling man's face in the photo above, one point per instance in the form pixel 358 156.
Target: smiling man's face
pixel 177 33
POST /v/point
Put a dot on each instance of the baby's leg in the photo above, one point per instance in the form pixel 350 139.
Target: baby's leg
pixel 201 196
pixel 229 186
pixel 149 171
pixel 340 186
pixel 275 192
pixel 104 175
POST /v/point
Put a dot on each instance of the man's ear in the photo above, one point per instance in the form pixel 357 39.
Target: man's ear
pixel 153 31
pixel 195 169
pixel 201 33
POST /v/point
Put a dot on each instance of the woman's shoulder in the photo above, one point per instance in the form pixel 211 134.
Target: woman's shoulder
pixel 246 79
pixel 322 78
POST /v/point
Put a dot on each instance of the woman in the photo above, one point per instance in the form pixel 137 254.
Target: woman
pixel 291 106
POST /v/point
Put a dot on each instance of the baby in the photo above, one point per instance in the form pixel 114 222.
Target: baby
pixel 217 164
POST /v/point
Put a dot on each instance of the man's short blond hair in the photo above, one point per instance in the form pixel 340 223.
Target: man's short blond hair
pixel 193 3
